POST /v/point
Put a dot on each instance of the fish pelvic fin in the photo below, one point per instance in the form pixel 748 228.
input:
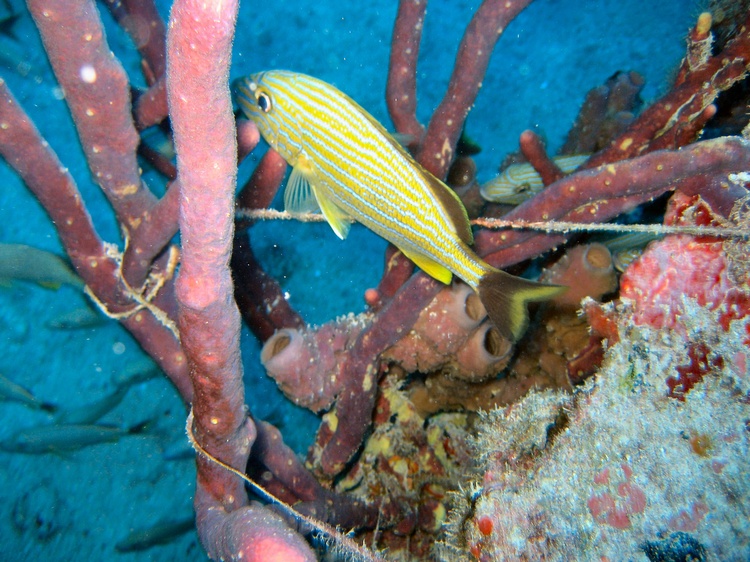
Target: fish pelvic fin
pixel 335 215
pixel 505 297
pixel 304 194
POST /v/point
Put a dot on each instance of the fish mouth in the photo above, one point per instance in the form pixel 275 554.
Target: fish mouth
pixel 245 89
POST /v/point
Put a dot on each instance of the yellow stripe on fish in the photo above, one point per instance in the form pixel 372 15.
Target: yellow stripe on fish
pixel 519 182
pixel 345 164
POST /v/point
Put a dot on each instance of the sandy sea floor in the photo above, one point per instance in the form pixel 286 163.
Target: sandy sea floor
pixel 79 505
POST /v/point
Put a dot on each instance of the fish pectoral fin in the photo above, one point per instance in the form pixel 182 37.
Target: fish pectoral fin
pixel 298 195
pixel 430 267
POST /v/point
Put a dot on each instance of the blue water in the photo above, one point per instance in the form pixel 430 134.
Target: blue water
pixel 77 506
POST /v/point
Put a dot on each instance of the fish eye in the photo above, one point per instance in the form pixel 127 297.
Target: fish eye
pixel 264 102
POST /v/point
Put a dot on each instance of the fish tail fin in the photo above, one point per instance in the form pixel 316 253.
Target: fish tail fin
pixel 142 427
pixel 48 407
pixel 505 297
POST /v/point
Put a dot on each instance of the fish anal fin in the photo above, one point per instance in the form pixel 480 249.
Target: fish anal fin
pixel 429 266
pixel 505 297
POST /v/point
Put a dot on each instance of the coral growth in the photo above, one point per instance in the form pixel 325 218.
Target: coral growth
pixel 680 270
pixel 619 501
pixel 618 470
pixel 408 465
pixel 307 364
pixel 613 467
pixel 686 267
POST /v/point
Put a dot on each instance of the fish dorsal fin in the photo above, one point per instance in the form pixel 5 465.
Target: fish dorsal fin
pixel 404 139
pixel 452 205
pixel 430 267
pixel 302 195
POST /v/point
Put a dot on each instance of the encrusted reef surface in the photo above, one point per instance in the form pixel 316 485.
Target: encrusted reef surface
pixel 650 459
pixel 617 467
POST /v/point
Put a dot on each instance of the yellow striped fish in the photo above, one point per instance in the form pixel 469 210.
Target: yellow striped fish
pixel 346 165
pixel 519 182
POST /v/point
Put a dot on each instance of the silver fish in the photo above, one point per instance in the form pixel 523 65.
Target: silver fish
pixel 135 373
pixel 627 248
pixel 44 439
pixel 16 393
pixel 77 319
pixel 91 412
pixel 519 182
pixel 161 533
pixel 25 263
pixel 139 371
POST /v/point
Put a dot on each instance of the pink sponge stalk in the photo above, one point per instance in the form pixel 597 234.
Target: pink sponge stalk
pixel 451 335
pixel 306 363
pixel 586 270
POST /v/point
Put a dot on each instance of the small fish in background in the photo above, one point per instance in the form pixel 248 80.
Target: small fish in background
pixel 13 53
pixel 161 533
pixel 345 164
pixel 136 372
pixel 91 412
pixel 17 393
pixel 19 262
pixel 61 439
pixel 179 451
pixel 77 319
pixel 519 182
pixel 622 259
pixel 627 248
pixel 160 141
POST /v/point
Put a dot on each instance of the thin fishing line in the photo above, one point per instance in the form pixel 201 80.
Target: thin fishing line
pixel 542 226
